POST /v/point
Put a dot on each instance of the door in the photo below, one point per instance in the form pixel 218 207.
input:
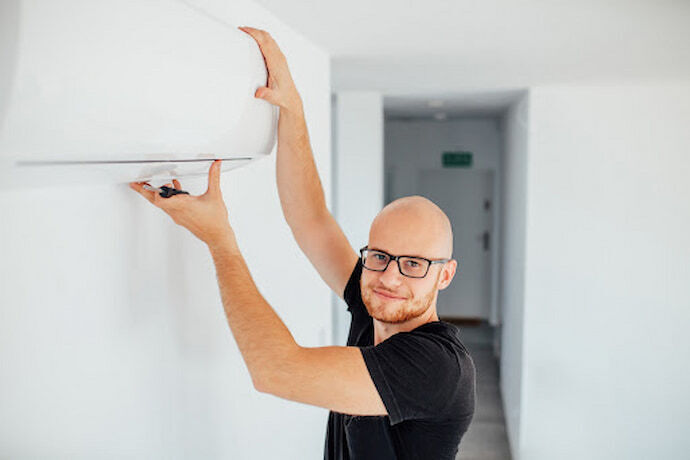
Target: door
pixel 466 196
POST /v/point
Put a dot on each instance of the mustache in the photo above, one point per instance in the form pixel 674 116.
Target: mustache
pixel 386 292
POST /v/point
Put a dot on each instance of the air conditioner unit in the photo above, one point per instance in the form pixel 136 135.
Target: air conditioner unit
pixel 123 90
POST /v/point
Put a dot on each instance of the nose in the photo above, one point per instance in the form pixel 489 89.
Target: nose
pixel 391 276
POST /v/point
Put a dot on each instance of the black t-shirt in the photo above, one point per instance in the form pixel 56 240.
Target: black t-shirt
pixel 426 379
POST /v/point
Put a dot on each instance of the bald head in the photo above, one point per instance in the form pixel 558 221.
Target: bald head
pixel 413 223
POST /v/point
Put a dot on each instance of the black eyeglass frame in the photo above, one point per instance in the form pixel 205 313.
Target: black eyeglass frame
pixel 397 261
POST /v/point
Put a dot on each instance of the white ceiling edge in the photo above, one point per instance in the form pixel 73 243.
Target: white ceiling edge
pixel 589 31
pixel 427 48
pixel 424 75
pixel 461 86
pixel 462 104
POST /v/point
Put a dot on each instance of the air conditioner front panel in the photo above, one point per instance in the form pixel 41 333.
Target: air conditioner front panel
pixel 159 80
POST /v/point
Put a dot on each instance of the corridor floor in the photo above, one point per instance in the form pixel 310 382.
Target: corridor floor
pixel 486 438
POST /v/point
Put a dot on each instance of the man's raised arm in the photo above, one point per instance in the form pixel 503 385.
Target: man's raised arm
pixel 300 190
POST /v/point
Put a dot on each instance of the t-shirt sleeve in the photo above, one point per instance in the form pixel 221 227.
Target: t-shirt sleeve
pixel 353 297
pixel 415 375
pixel 353 293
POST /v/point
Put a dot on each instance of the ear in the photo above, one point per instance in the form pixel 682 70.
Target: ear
pixel 447 274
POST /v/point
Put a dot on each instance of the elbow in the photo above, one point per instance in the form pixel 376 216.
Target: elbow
pixel 265 380
pixel 261 382
pixel 276 376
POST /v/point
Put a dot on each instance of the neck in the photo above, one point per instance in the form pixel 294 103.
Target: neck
pixel 384 330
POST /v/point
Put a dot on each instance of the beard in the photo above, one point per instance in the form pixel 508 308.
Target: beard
pixel 396 311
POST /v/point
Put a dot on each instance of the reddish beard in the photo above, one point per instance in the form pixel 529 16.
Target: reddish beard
pixel 402 310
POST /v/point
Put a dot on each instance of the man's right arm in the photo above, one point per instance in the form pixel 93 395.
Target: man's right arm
pixel 300 190
pixel 302 198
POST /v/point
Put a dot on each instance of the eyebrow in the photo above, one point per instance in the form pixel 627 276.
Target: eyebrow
pixel 401 255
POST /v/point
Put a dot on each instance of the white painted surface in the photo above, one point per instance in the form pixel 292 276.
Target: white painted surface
pixel 412 146
pixel 512 276
pixel 462 194
pixel 441 45
pixel 358 181
pixel 127 81
pixel 453 103
pixel 607 303
pixel 113 341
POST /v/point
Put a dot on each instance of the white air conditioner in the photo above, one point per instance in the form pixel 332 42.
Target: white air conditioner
pixel 124 90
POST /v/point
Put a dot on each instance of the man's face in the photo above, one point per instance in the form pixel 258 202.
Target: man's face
pixel 391 297
pixel 412 226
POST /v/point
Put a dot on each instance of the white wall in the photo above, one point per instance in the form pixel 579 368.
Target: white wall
pixel 512 289
pixel 113 341
pixel 415 145
pixel 358 176
pixel 607 297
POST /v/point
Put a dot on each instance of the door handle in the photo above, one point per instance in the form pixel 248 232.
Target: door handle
pixel 485 240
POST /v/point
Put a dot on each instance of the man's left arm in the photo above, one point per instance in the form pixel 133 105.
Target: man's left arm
pixel 333 377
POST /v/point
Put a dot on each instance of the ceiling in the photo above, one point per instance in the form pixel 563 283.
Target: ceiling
pixel 408 49
pixel 450 105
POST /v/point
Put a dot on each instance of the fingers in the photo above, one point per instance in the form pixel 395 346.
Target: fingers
pixel 161 202
pixel 280 89
pixel 139 187
pixel 269 48
pixel 154 197
pixel 262 37
pixel 177 185
pixel 214 178
pixel 267 94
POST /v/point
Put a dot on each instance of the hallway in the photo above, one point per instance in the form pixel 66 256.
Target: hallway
pixel 486 438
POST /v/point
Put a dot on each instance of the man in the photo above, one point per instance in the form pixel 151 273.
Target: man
pixel 403 388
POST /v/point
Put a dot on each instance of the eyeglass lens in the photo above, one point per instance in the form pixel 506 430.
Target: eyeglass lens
pixel 409 266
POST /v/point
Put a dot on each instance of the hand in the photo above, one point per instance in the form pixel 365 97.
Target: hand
pixel 280 89
pixel 206 216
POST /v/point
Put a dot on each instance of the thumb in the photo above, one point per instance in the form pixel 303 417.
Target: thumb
pixel 267 94
pixel 214 178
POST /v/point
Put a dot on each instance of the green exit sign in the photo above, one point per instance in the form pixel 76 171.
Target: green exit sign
pixel 457 159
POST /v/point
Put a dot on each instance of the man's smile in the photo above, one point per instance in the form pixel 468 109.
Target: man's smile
pixel 387 296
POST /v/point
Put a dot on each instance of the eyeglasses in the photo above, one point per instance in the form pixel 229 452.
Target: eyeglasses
pixel 410 266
